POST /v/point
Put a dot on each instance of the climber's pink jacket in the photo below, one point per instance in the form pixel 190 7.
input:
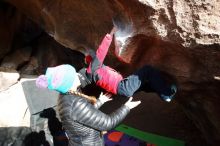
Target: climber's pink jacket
pixel 104 76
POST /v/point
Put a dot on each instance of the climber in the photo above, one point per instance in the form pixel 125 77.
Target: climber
pixel 113 82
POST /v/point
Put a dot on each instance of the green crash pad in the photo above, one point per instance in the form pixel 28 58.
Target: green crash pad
pixel 125 135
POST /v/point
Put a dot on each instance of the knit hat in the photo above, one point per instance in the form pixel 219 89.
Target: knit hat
pixel 60 78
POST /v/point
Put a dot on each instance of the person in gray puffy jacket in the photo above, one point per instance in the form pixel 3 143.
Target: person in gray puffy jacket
pixel 79 113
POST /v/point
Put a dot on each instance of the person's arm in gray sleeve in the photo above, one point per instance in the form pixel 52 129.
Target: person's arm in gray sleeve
pixel 98 104
pixel 85 113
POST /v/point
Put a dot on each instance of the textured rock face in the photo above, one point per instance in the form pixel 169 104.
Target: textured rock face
pixel 191 22
pixel 186 22
pixel 182 38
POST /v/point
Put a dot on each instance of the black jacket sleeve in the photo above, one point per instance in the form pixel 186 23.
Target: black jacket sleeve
pixel 85 113
pixel 84 77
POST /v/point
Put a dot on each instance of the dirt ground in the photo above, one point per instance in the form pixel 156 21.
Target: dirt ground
pixel 158 117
